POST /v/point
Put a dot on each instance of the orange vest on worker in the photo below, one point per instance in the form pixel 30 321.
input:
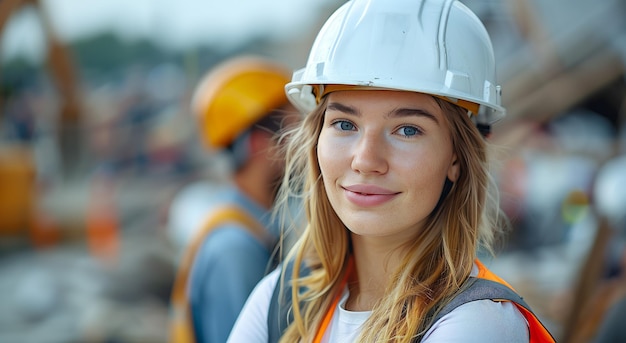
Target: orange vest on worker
pixel 181 324
pixel 490 287
pixel 537 331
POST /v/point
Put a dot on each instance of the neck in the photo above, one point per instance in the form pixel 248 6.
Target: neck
pixel 252 182
pixel 375 264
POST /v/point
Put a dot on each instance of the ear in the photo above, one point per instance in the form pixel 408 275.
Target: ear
pixel 454 169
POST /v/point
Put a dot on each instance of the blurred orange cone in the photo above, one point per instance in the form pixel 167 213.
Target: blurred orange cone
pixel 102 223
pixel 44 230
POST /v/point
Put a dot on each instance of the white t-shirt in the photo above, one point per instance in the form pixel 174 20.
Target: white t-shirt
pixel 475 322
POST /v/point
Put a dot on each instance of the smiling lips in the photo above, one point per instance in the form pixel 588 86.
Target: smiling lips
pixel 368 195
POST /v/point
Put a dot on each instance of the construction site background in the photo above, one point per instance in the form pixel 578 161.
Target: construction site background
pixel 97 138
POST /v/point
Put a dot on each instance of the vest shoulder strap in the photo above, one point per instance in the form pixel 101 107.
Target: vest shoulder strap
pixel 279 314
pixel 181 327
pixel 480 289
pixel 538 332
pixel 483 289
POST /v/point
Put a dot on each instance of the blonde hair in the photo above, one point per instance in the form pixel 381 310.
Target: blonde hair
pixel 438 261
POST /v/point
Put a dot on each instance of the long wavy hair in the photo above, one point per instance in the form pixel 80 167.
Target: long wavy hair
pixel 438 261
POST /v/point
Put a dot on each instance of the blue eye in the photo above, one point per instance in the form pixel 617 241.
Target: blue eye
pixel 409 131
pixel 344 125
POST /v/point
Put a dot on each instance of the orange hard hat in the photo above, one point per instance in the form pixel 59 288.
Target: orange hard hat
pixel 236 94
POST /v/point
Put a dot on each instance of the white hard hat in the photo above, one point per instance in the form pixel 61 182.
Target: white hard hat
pixel 437 47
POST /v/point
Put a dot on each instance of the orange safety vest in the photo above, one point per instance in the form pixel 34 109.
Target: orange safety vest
pixel 181 324
pixel 537 331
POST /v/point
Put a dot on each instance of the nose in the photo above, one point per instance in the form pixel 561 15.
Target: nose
pixel 369 156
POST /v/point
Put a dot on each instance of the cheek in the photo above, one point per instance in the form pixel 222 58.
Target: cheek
pixel 426 172
pixel 417 160
pixel 329 155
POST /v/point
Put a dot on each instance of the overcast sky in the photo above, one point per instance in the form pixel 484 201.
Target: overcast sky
pixel 171 23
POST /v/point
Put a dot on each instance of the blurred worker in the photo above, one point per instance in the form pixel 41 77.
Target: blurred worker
pixel 240 106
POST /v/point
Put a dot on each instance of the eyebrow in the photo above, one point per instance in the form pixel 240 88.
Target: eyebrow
pixel 399 112
pixel 408 112
pixel 335 106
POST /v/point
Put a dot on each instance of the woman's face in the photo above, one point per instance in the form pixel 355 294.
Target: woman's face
pixel 384 157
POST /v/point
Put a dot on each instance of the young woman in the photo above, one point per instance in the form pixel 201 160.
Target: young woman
pixel 392 168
